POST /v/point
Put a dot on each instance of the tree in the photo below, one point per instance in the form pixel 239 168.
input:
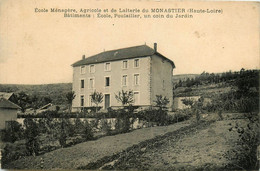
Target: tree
pixel 187 101
pixel 35 102
pixel 22 100
pixel 46 100
pixel 70 96
pixel 97 98
pixel 161 101
pixel 31 136
pixel 125 97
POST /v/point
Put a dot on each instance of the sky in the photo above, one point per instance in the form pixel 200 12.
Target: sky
pixel 39 48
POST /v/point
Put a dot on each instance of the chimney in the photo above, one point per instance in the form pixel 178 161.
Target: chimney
pixel 155 47
pixel 83 57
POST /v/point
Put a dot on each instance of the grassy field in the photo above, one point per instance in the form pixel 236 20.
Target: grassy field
pixel 202 149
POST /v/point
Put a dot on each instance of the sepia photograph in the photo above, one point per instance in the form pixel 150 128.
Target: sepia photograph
pixel 129 85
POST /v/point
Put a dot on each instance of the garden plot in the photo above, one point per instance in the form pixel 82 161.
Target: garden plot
pixel 84 153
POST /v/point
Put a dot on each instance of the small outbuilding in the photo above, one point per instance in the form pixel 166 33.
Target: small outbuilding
pixel 8 111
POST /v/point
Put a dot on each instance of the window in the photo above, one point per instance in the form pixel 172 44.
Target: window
pixel 90 101
pixel 91 83
pixel 107 81
pixel 82 83
pixel 92 68
pixel 124 80
pixel 82 100
pixel 82 69
pixel 125 65
pixel 136 79
pixel 107 66
pixel 136 98
pixel 136 63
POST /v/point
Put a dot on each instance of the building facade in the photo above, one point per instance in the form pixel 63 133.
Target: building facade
pixel 140 68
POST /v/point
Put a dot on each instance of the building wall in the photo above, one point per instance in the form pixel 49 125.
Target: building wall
pixel 7 115
pixel 161 79
pixel 116 73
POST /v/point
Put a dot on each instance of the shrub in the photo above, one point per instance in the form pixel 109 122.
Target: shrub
pixel 13 132
pixel 88 131
pixel 197 112
pixel 123 123
pixel 246 151
pixel 13 151
pixel 161 101
pixel 31 135
pixel 105 126
pixel 153 115
pixel 220 114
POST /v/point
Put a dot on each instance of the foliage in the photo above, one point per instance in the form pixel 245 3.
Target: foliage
pixel 56 92
pixel 22 100
pixel 153 115
pixel 245 155
pixel 13 151
pixel 13 132
pixel 105 126
pixel 34 102
pixel 31 135
pixel 88 131
pixel 161 101
pixel 187 101
pixel 124 119
pixel 97 98
pixel 125 97
pixel 70 96
pixel 220 114
pixel 243 78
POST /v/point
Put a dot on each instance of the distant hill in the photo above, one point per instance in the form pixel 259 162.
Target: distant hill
pixel 183 77
pixel 56 92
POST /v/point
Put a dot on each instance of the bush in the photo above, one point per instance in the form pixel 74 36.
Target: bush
pixel 13 132
pixel 13 151
pixel 88 131
pixel 31 135
pixel 245 155
pixel 153 115
pixel 123 123
pixel 105 126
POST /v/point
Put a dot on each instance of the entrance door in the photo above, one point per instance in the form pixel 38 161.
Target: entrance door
pixel 136 98
pixel 107 101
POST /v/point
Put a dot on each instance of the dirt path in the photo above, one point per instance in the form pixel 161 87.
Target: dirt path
pixel 91 151
pixel 202 147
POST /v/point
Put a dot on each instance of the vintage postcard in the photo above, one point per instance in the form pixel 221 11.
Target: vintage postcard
pixel 123 85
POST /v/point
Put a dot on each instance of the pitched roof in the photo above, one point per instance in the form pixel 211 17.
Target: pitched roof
pixel 5 95
pixel 46 106
pixel 119 54
pixel 6 104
